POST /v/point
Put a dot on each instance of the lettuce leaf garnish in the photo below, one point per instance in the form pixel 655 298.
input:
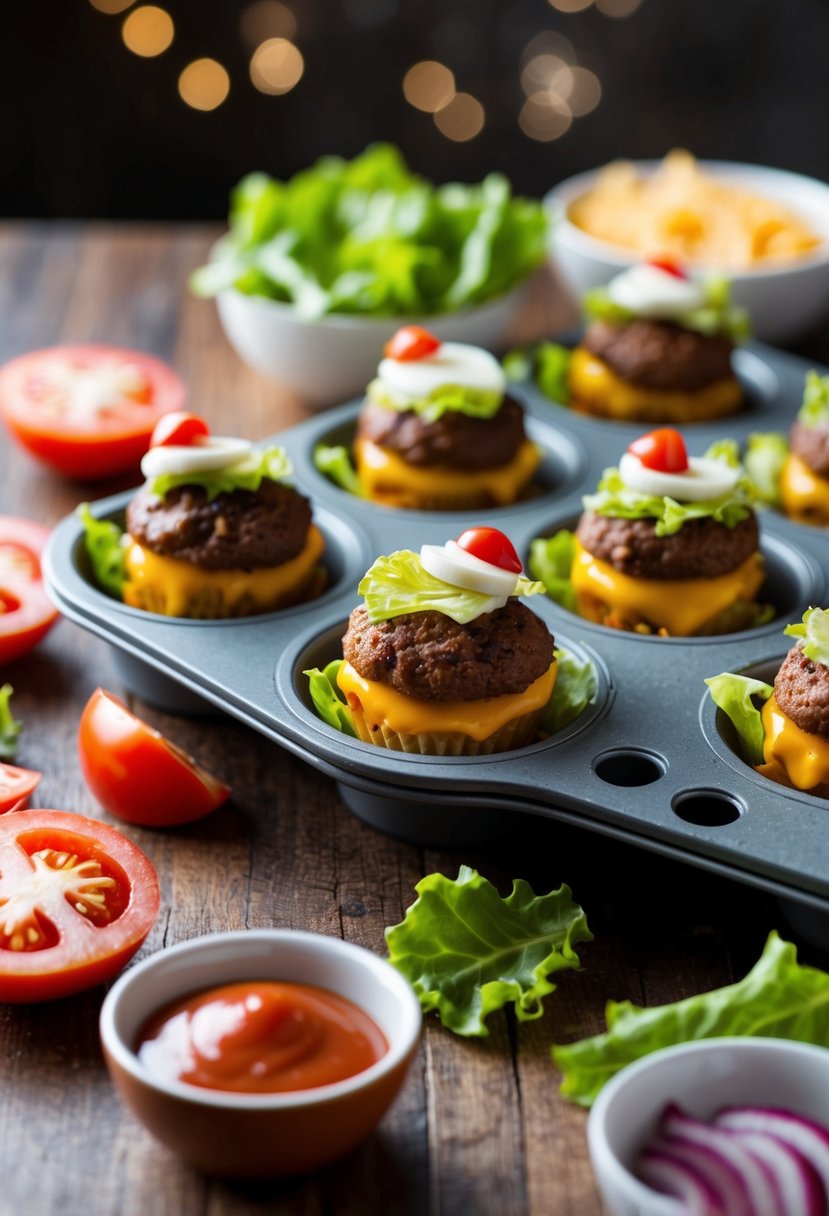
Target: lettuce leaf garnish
pixel 397 584
pixel 575 687
pixel 334 461
pixel 274 464
pixel 779 997
pixel 548 363
pixel 815 408
pixel 10 727
pixel 717 316
pixel 551 561
pixel 467 952
pixel 766 453
pixel 449 398
pixel 369 236
pixel 106 545
pixel 814 630
pixel 328 698
pixel 733 695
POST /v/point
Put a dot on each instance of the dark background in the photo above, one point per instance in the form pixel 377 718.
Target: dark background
pixel 90 129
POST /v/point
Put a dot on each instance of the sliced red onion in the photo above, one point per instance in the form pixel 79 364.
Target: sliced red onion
pixel 721 1173
pixel 797 1183
pixel 672 1176
pixel 758 1180
pixel 810 1139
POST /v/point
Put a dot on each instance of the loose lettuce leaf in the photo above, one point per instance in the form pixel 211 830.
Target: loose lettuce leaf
pixel 779 998
pixel 10 727
pixel 548 363
pixel 449 398
pixel 717 316
pixel 814 630
pixel 815 408
pixel 551 561
pixel 467 952
pixel 274 463
pixel 398 584
pixel 106 545
pixel 733 695
pixel 334 461
pixel 766 453
pixel 574 689
pixel 328 699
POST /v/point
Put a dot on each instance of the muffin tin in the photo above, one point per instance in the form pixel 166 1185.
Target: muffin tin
pixel 651 761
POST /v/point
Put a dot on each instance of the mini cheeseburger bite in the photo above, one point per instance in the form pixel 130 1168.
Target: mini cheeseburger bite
pixel 442 658
pixel 669 543
pixel 657 349
pixel 804 479
pixel 214 532
pixel 437 431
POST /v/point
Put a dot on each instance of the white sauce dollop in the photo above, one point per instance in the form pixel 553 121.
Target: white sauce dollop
pixel 454 565
pixel 206 453
pixel 452 363
pixel 704 478
pixel 648 291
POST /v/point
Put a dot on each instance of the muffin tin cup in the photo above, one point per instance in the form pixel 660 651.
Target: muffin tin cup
pixel 648 762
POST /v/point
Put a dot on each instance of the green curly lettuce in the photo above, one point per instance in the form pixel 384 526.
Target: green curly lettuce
pixel 716 317
pixel 448 398
pixel 327 697
pixel 551 562
pixel 10 727
pixel 778 998
pixel 334 462
pixel 272 464
pixel 735 696
pixel 106 544
pixel 467 952
pixel 814 632
pixel 815 408
pixel 549 365
pixel 575 687
pixel 766 454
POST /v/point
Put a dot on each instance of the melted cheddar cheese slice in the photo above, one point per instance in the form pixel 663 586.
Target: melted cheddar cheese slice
pixel 681 606
pixel 792 756
pixel 804 493
pixel 598 390
pixel 408 716
pixel 386 478
pixel 176 588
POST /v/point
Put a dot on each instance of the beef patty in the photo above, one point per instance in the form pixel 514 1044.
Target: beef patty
pixel 702 548
pixel 241 530
pixel 659 355
pixel 430 657
pixel 455 440
pixel 811 444
pixel 801 689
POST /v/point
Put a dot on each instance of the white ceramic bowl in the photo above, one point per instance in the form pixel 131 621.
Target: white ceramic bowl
pixel 260 1135
pixel 332 359
pixel 783 302
pixel 701 1077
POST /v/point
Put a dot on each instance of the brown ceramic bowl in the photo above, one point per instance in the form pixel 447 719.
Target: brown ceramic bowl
pixel 260 1135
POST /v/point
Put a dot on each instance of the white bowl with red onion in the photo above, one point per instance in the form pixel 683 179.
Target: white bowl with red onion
pixel 716 1127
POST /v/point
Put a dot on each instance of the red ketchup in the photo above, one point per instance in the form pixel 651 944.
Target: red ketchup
pixel 260 1037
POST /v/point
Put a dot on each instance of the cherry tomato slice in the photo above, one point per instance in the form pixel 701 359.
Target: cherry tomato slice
pixel 77 899
pixel 411 342
pixel 26 613
pixel 491 546
pixel 137 774
pixel 669 266
pixel 16 786
pixel 662 450
pixel 178 429
pixel 88 411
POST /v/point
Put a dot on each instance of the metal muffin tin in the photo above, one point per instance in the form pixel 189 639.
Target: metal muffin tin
pixel 650 762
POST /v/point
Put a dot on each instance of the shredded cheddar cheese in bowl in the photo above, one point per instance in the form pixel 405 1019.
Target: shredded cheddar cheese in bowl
pixel 686 214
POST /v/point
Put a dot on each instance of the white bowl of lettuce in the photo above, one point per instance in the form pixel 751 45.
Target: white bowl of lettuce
pixel 316 273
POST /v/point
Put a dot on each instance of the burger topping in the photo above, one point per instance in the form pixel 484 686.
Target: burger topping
pixel 491 546
pixel 454 376
pixel 663 450
pixel 651 290
pixel 205 454
pixel 455 564
pixel 178 427
pixel 410 343
pixel 657 464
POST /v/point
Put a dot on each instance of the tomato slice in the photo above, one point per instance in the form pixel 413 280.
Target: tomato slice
pixel 411 342
pixel 662 450
pixel 669 266
pixel 88 411
pixel 16 786
pixel 178 429
pixel 137 774
pixel 77 899
pixel 491 546
pixel 26 612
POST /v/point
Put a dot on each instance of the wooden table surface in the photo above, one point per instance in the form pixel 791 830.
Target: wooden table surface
pixel 480 1127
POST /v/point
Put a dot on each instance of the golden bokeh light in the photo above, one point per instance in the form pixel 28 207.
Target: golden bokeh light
pixel 570 6
pixel 544 117
pixel 429 86
pixel 148 31
pixel 462 119
pixel 267 19
pixel 585 92
pixel 276 66
pixel 549 42
pixel 204 84
pixel 111 6
pixel 547 72
pixel 617 8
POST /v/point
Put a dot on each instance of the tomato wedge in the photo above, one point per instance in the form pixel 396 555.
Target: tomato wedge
pixel 137 774
pixel 662 450
pixel 409 343
pixel 16 786
pixel 491 546
pixel 26 612
pixel 178 428
pixel 77 899
pixel 88 411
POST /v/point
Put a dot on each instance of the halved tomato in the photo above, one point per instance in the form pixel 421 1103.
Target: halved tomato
pixel 16 786
pixel 26 613
pixel 88 411
pixel 138 775
pixel 77 899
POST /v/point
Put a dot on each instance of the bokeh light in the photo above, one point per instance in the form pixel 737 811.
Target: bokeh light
pixel 585 92
pixel 570 6
pixel 204 84
pixel 111 6
pixel 462 119
pixel 267 19
pixel 617 8
pixel 429 86
pixel 276 66
pixel 148 31
pixel 549 42
pixel 544 117
pixel 547 72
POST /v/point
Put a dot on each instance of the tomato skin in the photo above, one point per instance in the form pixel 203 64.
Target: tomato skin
pixel 411 342
pixel 16 786
pixel 669 266
pixel 138 775
pixel 662 450
pixel 491 546
pixel 83 953
pixel 97 446
pixel 178 428
pixel 26 612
